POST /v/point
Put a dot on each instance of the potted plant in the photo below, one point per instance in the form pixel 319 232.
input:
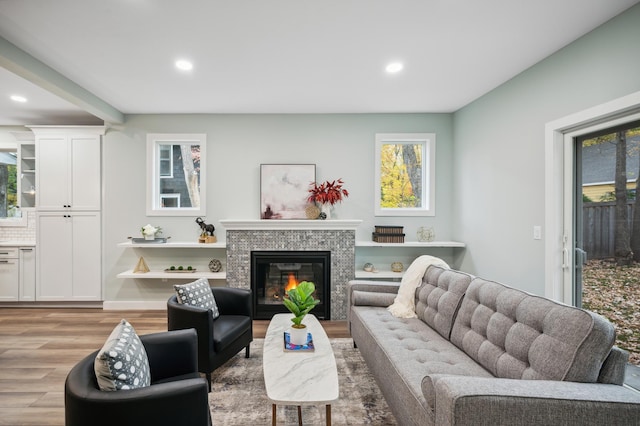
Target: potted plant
pixel 327 194
pixel 300 302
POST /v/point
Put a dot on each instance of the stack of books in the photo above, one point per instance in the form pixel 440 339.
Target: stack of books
pixel 388 234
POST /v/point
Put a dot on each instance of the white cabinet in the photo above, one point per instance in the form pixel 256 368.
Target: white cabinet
pixel 68 170
pixel 17 274
pixel 69 256
pixel 27 283
pixel 9 274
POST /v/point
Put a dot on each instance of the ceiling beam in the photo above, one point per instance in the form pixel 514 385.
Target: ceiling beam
pixel 26 66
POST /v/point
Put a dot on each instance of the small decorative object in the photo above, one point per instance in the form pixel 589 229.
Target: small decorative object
pixel 368 267
pixel 180 269
pixel 425 234
pixel 327 194
pixel 322 216
pixel 312 211
pixel 397 267
pixel 149 232
pixel 300 302
pixel 206 234
pixel 290 347
pixel 141 266
pixel 215 265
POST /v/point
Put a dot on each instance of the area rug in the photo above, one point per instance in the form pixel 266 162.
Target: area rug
pixel 238 395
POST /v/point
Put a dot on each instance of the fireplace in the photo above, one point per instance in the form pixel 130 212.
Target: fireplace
pixel 273 273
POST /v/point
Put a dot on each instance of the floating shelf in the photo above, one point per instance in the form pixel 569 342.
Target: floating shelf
pixel 174 244
pixel 173 275
pixel 409 244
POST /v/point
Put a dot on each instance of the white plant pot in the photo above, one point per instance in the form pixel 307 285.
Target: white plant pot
pixel 298 336
pixel 149 236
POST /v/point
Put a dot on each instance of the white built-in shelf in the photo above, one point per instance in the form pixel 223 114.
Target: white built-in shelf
pixel 174 244
pixel 380 275
pixel 173 275
pixel 432 244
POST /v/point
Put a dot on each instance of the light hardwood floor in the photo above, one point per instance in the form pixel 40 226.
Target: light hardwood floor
pixel 38 347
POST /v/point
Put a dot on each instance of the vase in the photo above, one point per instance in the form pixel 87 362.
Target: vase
pixel 326 209
pixel 149 237
pixel 298 336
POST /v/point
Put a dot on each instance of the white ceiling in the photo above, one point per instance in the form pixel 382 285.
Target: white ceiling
pixel 281 56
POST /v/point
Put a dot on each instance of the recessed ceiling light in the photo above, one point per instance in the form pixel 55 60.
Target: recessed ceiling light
pixel 184 65
pixel 18 98
pixel 394 67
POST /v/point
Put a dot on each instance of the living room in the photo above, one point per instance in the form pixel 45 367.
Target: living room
pixel 492 163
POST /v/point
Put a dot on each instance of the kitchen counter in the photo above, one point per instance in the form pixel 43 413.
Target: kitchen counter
pixel 16 243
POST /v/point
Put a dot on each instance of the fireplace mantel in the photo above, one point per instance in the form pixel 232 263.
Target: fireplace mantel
pixel 273 225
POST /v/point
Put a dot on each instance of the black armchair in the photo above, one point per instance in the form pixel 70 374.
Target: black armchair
pixel 177 395
pixel 221 338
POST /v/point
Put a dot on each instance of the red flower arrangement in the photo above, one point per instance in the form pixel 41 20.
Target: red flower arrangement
pixel 327 192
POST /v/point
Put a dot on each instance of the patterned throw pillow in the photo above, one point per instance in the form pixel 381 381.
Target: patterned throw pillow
pixel 197 293
pixel 122 362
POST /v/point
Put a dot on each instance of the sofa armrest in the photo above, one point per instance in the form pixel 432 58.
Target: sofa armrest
pixel 366 286
pixel 171 353
pixel 464 400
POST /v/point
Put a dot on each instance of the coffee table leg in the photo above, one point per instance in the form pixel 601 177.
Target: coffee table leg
pixel 328 414
pixel 273 414
pixel 299 415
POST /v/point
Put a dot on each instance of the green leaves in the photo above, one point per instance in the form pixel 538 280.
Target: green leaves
pixel 300 300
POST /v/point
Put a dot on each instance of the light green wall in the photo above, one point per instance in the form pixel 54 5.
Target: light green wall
pixel 499 148
pixel 341 145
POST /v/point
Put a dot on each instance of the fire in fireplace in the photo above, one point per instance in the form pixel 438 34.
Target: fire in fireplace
pixel 273 273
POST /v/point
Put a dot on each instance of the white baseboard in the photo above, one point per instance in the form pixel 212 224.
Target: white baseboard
pixel 132 305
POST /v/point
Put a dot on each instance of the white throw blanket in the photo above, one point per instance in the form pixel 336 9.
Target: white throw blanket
pixel 404 305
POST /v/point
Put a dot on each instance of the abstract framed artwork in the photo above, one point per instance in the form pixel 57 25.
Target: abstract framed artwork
pixel 284 189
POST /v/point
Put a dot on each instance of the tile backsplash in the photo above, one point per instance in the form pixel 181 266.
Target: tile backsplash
pixel 21 233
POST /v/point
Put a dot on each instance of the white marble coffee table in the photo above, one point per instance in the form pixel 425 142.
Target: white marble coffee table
pixel 299 378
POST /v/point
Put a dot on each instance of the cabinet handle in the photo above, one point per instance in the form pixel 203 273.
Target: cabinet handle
pixel 4 261
pixel 4 252
pixel 26 249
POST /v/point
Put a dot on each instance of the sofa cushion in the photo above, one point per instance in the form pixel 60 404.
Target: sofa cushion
pixel 438 297
pixel 516 335
pixel 414 349
pixel 198 294
pixel 122 362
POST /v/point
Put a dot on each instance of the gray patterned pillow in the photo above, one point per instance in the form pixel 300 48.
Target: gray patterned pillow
pixel 197 293
pixel 122 362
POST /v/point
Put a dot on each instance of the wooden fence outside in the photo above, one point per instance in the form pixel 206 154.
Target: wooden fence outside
pixel 598 228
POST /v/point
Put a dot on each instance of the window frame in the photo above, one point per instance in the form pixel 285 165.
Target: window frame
pixel 154 197
pixel 428 144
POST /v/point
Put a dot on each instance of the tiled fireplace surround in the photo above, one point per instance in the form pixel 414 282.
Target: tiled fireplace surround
pixel 243 237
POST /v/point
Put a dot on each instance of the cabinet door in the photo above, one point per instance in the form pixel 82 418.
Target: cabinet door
pixel 53 254
pixel 85 172
pixel 27 274
pixel 8 279
pixel 87 276
pixel 53 163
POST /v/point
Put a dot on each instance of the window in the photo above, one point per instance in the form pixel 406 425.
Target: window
pixel 405 174
pixel 176 174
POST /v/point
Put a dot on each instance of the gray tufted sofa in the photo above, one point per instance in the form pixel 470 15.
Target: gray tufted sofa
pixel 482 353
